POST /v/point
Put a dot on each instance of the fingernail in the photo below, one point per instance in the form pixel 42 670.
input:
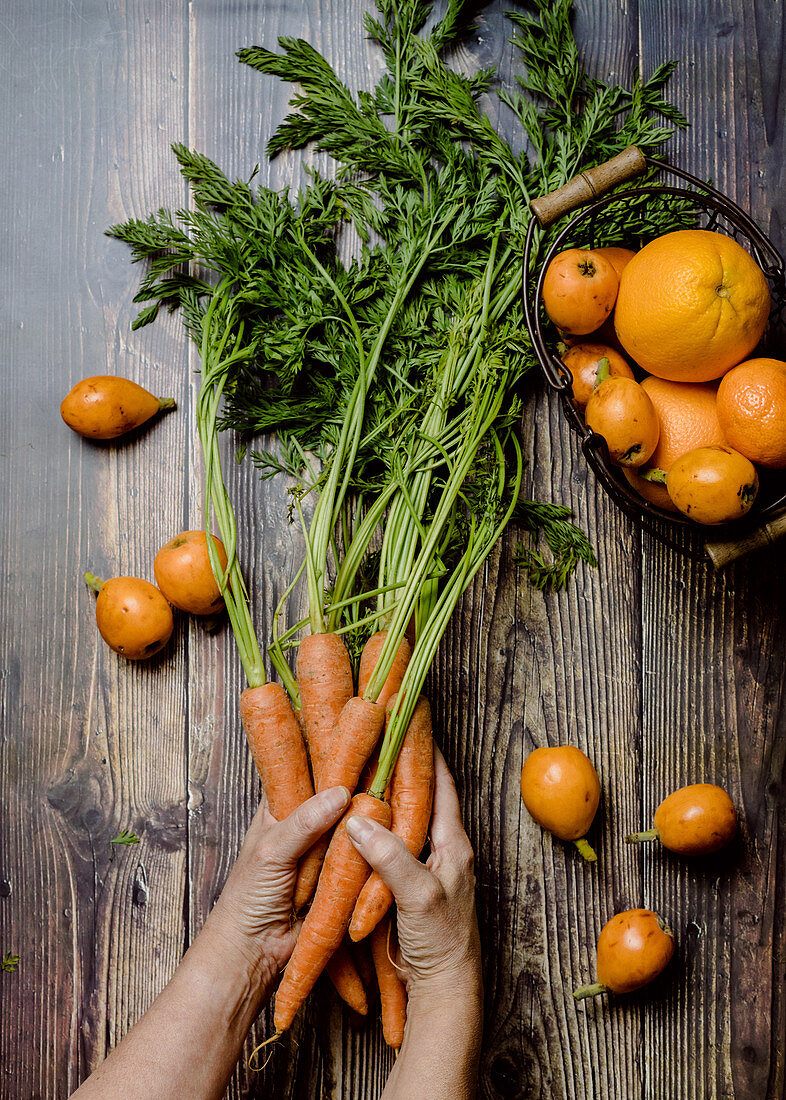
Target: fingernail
pixel 336 798
pixel 359 829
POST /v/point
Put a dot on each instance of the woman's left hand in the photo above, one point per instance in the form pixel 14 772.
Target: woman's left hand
pixel 254 911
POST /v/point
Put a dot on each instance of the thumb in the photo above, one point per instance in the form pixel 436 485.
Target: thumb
pixel 389 856
pixel 292 837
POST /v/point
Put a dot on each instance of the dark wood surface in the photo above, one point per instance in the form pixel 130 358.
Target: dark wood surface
pixel 662 671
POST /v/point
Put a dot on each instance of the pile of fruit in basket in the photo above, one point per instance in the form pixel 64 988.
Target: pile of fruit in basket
pixel 658 343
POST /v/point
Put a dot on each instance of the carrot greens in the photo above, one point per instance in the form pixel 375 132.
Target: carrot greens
pixel 9 963
pixel 390 369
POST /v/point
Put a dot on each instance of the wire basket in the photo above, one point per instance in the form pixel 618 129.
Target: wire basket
pixel 696 205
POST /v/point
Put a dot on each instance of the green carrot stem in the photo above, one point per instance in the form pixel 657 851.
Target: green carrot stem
pixel 356 551
pixel 585 991
pixel 478 550
pixel 331 499
pixel 486 414
pixel 92 581
pixel 642 837
pixel 586 850
pixel 166 403
pixel 215 365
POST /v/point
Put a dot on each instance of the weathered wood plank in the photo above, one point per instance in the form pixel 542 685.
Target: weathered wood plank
pixel 713 648
pixel 545 670
pixel 90 743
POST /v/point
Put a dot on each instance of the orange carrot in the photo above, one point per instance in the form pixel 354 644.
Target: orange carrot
pixel 279 751
pixel 324 675
pixel 392 991
pixel 308 872
pixel 369 658
pixel 277 747
pixel 326 922
pixel 344 975
pixel 361 955
pixel 411 796
pixel 354 739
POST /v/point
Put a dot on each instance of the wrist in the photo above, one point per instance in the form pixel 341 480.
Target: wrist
pixel 228 964
pixel 447 995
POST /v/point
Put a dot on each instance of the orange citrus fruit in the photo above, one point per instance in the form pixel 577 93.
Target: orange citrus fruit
pixel 691 304
pixel 579 290
pixel 713 484
pixel 583 361
pixel 752 410
pixel 688 418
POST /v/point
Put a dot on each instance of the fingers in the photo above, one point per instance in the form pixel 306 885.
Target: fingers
pixel 291 838
pixel 411 883
pixel 447 829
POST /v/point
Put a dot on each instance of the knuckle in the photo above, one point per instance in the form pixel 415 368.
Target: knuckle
pixel 432 895
pixel 308 817
pixel 464 858
pixel 385 852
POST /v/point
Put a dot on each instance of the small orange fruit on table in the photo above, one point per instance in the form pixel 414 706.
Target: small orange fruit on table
pixel 132 616
pixel 105 406
pixel 688 418
pixel 633 949
pixel 579 290
pixel 185 576
pixel 691 304
pixel 583 361
pixel 694 820
pixel 561 790
pixel 713 484
pixel 752 410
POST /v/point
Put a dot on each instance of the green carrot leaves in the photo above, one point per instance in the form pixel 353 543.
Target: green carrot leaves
pixel 9 963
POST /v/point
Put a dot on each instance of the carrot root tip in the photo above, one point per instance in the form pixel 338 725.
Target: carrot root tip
pixel 253 1063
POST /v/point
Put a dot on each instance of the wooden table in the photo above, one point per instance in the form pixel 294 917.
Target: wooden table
pixel 663 671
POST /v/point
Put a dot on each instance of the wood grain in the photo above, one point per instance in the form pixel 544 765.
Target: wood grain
pixel 701 630
pixel 661 671
pixel 90 744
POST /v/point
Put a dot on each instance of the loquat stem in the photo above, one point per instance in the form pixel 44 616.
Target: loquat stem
pixel 166 403
pixel 586 850
pixel 92 581
pixel 585 991
pixel 657 477
pixel 642 837
pixel 603 372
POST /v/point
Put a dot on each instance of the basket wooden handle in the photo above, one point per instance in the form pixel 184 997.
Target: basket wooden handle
pixel 722 554
pixel 588 185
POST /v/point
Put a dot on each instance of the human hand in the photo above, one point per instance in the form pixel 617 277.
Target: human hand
pixel 254 911
pixel 437 924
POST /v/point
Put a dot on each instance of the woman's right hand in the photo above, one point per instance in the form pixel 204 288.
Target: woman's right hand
pixel 437 924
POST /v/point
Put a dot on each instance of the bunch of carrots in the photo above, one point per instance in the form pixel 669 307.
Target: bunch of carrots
pixel 400 372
